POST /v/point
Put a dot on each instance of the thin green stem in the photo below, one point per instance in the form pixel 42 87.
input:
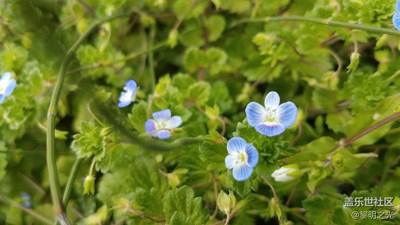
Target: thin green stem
pixel 30 152
pixel 110 63
pixel 71 180
pixel 51 123
pixel 328 22
pixel 369 129
pixel 150 57
pixel 31 212
pixel 92 168
pixel 349 141
pixel 272 188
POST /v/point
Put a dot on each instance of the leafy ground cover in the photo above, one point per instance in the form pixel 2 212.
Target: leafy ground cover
pixel 192 112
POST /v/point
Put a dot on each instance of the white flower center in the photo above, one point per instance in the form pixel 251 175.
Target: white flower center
pixel 241 157
pixel 161 124
pixel 271 116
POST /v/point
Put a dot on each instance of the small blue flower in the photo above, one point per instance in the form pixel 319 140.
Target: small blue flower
pixel 272 119
pixel 7 85
pixel 242 158
pixel 26 200
pixel 396 20
pixel 162 124
pixel 128 95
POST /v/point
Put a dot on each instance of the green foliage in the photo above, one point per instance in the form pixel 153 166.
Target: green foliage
pixel 181 207
pixel 92 141
pixel 325 210
pixel 205 61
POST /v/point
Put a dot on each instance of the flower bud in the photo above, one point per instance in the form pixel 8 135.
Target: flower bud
pixel 286 173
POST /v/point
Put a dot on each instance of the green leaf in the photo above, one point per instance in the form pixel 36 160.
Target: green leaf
pixel 240 6
pixel 215 25
pixel 138 117
pixel 213 154
pixel 185 9
pixel 181 207
pixel 92 141
pixel 3 160
pixel 199 92
pixel 321 210
pixel 315 150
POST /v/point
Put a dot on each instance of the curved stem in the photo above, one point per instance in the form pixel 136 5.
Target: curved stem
pixel 272 188
pixel 328 22
pixel 349 141
pixel 31 212
pixel 144 216
pixel 371 128
pixel 51 123
pixel 71 179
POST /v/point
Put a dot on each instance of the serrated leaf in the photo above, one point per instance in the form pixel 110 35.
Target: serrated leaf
pixel 181 206
pixel 199 92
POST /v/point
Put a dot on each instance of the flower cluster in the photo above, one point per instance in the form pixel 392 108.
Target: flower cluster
pixel 396 16
pixel 162 123
pixel 7 85
pixel 270 120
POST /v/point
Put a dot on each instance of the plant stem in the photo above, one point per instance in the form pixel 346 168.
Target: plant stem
pixel 328 22
pixel 347 142
pixel 71 179
pixel 51 123
pixel 272 188
pixel 31 212
pixel 142 215
pixel 150 57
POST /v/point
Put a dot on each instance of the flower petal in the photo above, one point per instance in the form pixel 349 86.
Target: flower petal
pixel 252 155
pixel 255 113
pixel 270 130
pixel 397 6
pixel 126 97
pixel 150 126
pixel 272 100
pixel 287 113
pixel 163 114
pixel 173 122
pixel 396 20
pixel 131 85
pixel 163 134
pixel 282 174
pixel 242 172
pixel 230 161
pixel 10 87
pixel 124 100
pixel 236 144
pixel 6 76
pixel 2 97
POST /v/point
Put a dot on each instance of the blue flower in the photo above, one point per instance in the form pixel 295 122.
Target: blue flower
pixel 397 7
pixel 128 95
pixel 272 119
pixel 242 158
pixel 162 124
pixel 396 20
pixel 7 85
